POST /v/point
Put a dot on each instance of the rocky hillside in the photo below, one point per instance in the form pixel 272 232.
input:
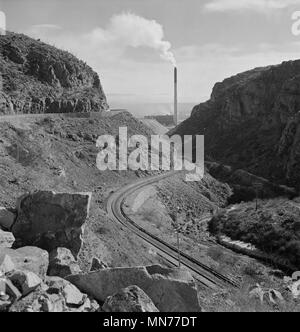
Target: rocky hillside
pixel 252 121
pixel 39 78
pixel 42 154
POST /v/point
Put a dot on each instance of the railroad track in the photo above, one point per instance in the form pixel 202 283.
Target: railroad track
pixel 202 273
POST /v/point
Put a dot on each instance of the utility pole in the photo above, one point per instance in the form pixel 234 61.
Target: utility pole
pixel 18 152
pixel 256 207
pixel 178 241
pixel 258 186
pixel 177 229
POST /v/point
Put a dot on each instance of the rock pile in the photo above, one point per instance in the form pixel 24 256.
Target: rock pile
pixel 41 273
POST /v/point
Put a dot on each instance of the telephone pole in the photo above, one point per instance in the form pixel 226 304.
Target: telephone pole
pixel 178 245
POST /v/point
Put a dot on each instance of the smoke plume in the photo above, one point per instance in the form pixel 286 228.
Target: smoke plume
pixel 132 30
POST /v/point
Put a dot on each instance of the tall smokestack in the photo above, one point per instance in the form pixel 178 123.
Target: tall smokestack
pixel 175 98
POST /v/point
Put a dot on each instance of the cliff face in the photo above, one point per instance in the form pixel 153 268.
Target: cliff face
pixel 39 78
pixel 252 122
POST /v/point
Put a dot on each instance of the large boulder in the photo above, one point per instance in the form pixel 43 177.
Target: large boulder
pixel 62 263
pixel 30 259
pixel 130 299
pixel 170 290
pixel 50 220
pixel 7 218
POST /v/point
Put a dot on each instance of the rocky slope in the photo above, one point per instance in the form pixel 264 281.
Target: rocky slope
pixel 252 122
pixel 59 153
pixel 39 78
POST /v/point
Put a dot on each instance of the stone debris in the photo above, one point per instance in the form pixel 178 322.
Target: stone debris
pixel 130 299
pixel 55 295
pixel 97 265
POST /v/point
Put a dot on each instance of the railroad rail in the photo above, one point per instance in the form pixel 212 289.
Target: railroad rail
pixel 204 274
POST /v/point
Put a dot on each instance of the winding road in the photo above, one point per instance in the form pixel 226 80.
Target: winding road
pixel 202 273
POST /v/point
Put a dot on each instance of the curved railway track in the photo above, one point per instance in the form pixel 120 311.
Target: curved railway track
pixel 204 274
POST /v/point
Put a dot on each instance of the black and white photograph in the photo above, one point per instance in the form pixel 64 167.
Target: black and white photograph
pixel 149 159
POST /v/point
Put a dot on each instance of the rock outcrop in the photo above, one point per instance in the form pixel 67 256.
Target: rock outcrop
pixel 39 78
pixel 130 299
pixel 171 290
pixel 251 122
pixel 50 220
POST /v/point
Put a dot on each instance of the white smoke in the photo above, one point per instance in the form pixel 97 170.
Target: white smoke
pixel 128 29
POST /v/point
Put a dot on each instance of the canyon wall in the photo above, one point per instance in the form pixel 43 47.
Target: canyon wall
pixel 39 78
pixel 252 121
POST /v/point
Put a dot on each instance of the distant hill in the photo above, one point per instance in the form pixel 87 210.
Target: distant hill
pixel 39 78
pixel 252 121
pixel 143 109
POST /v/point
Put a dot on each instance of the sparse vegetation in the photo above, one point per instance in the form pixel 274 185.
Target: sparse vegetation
pixel 274 228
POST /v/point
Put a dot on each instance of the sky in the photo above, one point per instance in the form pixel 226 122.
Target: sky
pixel 130 42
